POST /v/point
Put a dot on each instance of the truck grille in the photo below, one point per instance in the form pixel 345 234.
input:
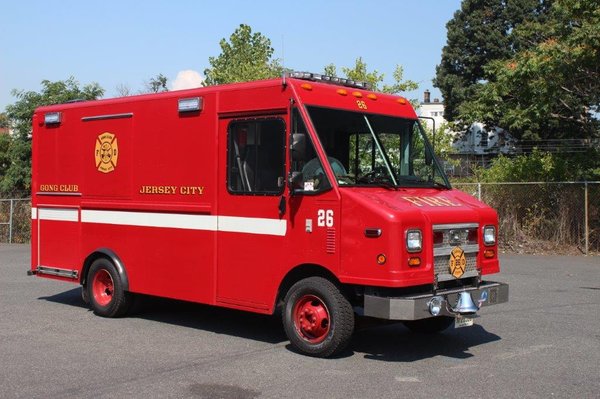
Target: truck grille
pixel 441 267
pixel 449 236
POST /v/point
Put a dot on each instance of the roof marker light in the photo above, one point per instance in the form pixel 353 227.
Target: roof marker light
pixel 191 104
pixel 401 101
pixel 52 118
pixel 372 96
pixel 342 92
pixel 317 77
pixel 357 94
pixel 306 86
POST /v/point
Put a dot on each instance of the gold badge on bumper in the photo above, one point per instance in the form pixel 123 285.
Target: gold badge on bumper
pixel 107 152
pixel 458 262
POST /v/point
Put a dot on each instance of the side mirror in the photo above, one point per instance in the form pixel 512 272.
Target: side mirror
pixel 298 146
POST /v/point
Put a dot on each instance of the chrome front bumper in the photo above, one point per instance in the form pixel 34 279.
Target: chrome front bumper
pixel 416 306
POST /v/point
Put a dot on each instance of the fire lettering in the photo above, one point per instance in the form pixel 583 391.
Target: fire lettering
pixel 431 201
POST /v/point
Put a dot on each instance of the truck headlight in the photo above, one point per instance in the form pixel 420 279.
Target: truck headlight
pixel 489 235
pixel 414 240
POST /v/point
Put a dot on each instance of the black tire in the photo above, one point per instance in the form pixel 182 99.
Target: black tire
pixel 323 335
pixel 85 297
pixel 430 326
pixel 105 290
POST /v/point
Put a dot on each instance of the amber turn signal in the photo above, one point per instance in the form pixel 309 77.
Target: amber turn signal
pixel 414 261
pixel 489 253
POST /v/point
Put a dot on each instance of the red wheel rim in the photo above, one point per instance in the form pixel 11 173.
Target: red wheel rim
pixel 102 287
pixel 311 319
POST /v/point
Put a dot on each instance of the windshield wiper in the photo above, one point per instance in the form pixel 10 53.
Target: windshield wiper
pixel 383 154
pixel 384 184
pixel 378 183
pixel 433 183
pixel 438 184
pixel 417 182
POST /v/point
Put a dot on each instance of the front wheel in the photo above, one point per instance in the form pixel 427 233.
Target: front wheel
pixel 317 317
pixel 105 290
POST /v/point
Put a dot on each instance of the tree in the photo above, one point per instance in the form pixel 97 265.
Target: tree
pixel 442 141
pixel 123 90
pixel 4 159
pixel 543 166
pixel 360 73
pixel 480 32
pixel 15 176
pixel 3 120
pixel 551 88
pixel 156 84
pixel 247 56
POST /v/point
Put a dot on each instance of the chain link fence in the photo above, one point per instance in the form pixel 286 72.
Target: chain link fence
pixel 534 217
pixel 562 217
pixel 15 220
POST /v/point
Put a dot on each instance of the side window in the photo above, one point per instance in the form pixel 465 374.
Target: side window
pixel 307 171
pixel 256 157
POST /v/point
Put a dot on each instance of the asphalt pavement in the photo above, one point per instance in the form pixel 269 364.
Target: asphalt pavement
pixel 545 342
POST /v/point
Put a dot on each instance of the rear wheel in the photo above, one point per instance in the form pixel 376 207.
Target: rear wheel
pixel 317 318
pixel 105 290
pixel 429 326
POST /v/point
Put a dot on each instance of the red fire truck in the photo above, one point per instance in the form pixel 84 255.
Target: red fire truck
pixel 309 193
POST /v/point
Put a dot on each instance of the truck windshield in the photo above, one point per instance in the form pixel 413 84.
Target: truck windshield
pixel 376 150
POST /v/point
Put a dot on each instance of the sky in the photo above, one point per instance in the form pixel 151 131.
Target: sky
pixel 126 43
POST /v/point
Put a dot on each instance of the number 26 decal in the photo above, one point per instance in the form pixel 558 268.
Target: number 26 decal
pixel 325 217
pixel 361 104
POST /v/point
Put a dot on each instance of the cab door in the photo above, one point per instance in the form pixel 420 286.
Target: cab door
pixel 314 203
pixel 252 224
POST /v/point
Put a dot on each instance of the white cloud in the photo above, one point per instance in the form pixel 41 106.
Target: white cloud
pixel 187 79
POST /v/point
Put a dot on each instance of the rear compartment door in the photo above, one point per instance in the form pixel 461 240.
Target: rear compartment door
pixel 58 237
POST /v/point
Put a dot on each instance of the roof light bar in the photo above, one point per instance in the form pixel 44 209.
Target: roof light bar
pixel 317 77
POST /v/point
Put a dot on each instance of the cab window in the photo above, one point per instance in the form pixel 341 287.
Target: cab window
pixel 256 157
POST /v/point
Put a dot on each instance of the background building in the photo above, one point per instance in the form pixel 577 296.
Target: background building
pixel 477 145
